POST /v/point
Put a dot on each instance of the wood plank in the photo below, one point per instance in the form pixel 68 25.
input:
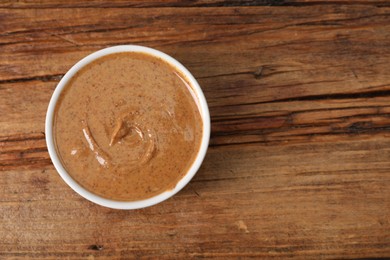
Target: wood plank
pixel 270 123
pixel 175 3
pixel 298 163
pixel 303 204
pixel 307 42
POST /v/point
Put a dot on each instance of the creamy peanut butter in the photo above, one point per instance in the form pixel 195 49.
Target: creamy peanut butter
pixel 127 126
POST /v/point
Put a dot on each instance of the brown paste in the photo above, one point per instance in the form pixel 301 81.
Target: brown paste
pixel 127 126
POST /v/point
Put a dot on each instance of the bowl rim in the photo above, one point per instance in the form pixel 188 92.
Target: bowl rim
pixel 203 107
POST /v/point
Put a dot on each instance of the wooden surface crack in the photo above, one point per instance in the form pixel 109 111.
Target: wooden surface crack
pixel 44 78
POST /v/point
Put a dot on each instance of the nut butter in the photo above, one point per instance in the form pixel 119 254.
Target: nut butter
pixel 127 126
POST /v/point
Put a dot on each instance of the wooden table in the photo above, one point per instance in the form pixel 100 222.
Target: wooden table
pixel 298 164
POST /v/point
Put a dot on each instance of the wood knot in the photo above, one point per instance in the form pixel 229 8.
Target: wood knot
pixel 360 127
pixel 96 247
pixel 258 72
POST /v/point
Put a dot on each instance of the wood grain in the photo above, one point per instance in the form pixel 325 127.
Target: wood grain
pixel 298 164
pixel 23 4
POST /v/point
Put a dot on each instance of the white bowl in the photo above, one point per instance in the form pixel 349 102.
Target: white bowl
pixel 124 204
